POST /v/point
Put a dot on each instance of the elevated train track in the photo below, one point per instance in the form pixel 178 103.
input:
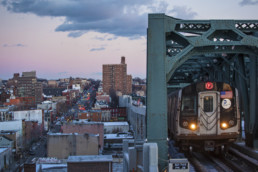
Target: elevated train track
pixel 233 161
pixel 181 52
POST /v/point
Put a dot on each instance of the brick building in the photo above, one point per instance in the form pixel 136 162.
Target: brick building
pixel 29 87
pixel 21 101
pixel 52 83
pixel 4 95
pixel 13 82
pixel 30 132
pixel 115 77
pixel 87 127
pixel 70 95
pixel 62 145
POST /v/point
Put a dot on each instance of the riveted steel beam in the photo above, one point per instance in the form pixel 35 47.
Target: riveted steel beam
pixel 157 86
pixel 182 51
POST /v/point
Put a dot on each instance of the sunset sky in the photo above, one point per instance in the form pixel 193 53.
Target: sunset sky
pixel 63 38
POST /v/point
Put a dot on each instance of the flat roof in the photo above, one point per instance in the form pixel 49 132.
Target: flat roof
pixel 90 158
pixel 86 122
pixel 8 131
pixel 53 166
pixel 3 150
pixel 66 134
pixel 118 136
pixel 4 110
pixel 115 123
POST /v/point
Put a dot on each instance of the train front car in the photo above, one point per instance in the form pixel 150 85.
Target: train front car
pixel 204 116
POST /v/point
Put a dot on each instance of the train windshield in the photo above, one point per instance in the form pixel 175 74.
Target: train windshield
pixel 189 107
pixel 208 104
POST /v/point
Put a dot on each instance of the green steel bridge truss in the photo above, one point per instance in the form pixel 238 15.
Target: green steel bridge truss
pixel 180 52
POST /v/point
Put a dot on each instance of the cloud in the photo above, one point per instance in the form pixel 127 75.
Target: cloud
pixel 135 37
pixel 113 38
pixel 248 2
pixel 98 49
pixel 100 38
pixel 183 12
pixel 105 37
pixel 159 7
pixel 121 18
pixel 76 34
pixel 20 45
pixel 13 45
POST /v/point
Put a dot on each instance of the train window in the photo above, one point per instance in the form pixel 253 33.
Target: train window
pixel 188 107
pixel 208 104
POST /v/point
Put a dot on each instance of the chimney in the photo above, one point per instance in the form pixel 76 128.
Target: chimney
pixel 122 60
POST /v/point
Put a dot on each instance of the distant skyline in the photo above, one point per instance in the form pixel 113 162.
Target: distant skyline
pixel 67 38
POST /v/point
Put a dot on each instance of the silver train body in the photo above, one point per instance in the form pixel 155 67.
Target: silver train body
pixel 204 116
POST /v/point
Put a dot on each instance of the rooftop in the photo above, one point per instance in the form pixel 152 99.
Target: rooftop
pixel 66 134
pixel 3 150
pixel 4 110
pixel 84 122
pixel 115 123
pixel 90 158
pixel 49 160
pixel 58 167
pixel 118 136
pixel 8 131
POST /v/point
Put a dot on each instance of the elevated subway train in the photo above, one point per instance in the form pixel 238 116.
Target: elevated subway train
pixel 204 116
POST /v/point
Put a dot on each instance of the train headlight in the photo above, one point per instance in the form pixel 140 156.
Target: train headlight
pixel 193 126
pixel 224 125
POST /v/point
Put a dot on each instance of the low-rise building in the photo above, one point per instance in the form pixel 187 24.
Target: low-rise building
pixel 47 105
pixel 91 115
pixel 31 132
pixel 136 116
pixel 4 96
pixel 13 131
pixel 52 83
pixel 62 145
pixel 116 127
pixel 5 114
pixel 115 141
pixel 105 98
pixel 77 87
pixel 6 142
pixel 100 104
pixel 82 127
pixel 55 92
pixel 30 115
pixel 59 99
pixel 6 158
pixel 116 114
pixel 51 164
pixel 70 95
pixel 100 163
pixel 24 102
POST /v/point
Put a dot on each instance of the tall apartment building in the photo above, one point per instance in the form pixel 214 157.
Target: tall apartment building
pixel 28 86
pixel 115 77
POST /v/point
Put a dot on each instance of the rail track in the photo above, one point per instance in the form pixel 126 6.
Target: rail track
pixel 234 161
pixel 204 162
pixel 240 161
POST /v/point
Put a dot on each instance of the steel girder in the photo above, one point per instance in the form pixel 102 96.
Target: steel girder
pixel 185 51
